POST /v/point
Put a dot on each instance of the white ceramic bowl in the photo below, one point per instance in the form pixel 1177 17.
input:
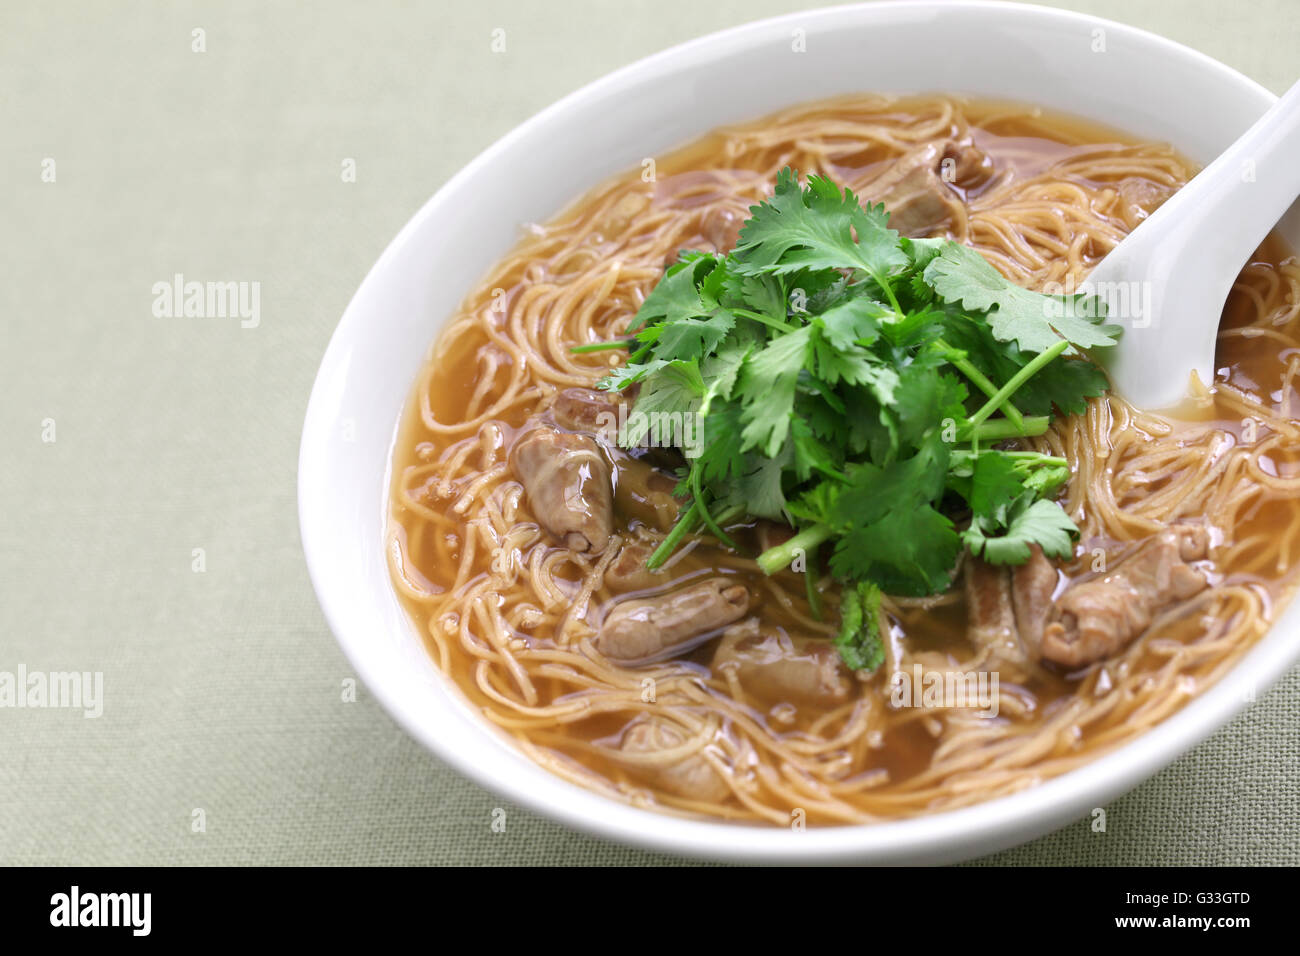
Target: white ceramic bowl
pixel 1132 80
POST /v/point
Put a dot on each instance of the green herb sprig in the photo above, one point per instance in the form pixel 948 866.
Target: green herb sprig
pixel 851 382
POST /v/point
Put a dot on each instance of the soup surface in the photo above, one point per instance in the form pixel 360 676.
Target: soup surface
pixel 510 612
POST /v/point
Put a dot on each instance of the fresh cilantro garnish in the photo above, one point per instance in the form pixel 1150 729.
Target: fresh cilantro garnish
pixel 816 228
pixel 856 385
pixel 1035 322
pixel 1029 521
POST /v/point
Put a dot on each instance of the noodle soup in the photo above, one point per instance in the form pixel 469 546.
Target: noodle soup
pixel 514 614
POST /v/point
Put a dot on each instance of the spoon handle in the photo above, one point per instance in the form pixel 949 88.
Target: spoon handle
pixel 1244 192
pixel 1166 283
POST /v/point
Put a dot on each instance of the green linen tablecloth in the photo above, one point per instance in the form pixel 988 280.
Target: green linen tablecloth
pixel 155 538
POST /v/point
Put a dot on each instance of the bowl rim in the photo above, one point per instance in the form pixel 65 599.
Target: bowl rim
pixel 984 827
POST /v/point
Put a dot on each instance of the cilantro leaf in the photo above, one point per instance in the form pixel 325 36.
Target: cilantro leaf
pixel 852 322
pixel 872 427
pixel 1035 322
pixel 691 338
pixel 681 318
pixel 722 458
pixel 814 228
pixel 909 552
pixel 873 490
pixel 674 392
pixel 722 368
pixel 758 487
pixel 995 485
pixel 921 251
pixel 763 294
pixel 675 298
pixel 768 382
pixel 1038 522
pixel 1064 383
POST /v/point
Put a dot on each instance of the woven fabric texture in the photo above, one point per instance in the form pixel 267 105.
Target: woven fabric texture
pixel 147 464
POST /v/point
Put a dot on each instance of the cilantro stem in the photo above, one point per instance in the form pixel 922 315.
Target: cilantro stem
pixel 769 321
pixel 697 496
pixel 1003 428
pixel 1035 457
pixel 810 584
pixel 774 559
pixel 683 527
pixel 674 537
pixel 889 294
pixel 1009 389
pixel 982 381
pixel 735 511
pixel 599 346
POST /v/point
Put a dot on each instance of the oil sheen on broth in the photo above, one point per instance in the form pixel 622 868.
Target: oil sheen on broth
pixel 509 613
